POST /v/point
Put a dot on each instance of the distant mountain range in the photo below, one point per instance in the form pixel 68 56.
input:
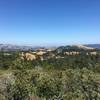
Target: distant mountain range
pixel 10 47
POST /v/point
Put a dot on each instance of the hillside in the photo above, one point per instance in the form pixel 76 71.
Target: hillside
pixel 73 48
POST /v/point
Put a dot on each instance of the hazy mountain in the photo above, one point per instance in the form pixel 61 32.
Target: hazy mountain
pixel 10 47
pixel 94 45
pixel 83 47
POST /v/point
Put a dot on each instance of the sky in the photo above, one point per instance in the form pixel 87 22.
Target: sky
pixel 50 22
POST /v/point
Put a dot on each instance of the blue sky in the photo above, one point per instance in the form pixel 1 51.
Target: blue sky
pixel 49 22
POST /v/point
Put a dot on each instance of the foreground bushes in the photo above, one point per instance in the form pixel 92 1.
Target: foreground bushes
pixel 54 85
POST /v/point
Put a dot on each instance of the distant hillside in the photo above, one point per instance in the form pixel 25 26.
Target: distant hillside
pixel 94 46
pixel 83 47
pixel 73 48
